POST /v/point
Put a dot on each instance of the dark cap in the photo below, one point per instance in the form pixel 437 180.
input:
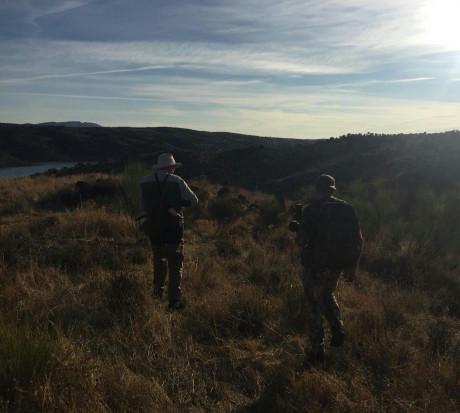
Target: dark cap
pixel 325 182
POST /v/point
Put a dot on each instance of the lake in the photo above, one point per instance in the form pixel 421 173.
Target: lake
pixel 18 171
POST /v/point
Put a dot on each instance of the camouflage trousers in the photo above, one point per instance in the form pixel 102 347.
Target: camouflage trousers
pixel 319 286
pixel 168 258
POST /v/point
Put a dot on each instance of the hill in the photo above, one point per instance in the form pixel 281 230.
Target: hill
pixel 31 143
pixel 71 124
pixel 271 164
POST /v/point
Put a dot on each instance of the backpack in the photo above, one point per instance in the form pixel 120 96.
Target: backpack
pixel 156 217
pixel 338 236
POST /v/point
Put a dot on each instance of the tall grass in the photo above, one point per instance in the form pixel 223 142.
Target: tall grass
pixel 26 357
pixel 80 331
pixel 129 196
pixel 412 236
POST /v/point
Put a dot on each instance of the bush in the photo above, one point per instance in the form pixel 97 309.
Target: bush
pixel 224 209
pixel 270 214
pixel 409 235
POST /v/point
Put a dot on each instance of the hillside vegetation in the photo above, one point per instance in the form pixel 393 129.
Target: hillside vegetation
pixel 80 331
pixel 280 166
pixel 34 143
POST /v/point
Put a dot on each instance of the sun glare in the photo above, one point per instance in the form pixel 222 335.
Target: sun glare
pixel 443 23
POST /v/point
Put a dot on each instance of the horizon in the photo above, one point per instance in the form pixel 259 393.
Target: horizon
pixel 292 69
pixel 374 133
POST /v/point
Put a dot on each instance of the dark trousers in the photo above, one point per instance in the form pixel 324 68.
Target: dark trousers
pixel 168 258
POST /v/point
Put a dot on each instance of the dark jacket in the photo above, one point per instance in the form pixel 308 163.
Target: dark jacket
pixel 310 217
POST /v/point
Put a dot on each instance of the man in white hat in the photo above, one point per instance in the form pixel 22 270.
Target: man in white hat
pixel 168 247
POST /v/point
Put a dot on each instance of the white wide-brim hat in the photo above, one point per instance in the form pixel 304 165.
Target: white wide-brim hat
pixel 165 160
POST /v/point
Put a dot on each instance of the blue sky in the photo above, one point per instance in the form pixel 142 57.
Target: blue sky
pixel 286 68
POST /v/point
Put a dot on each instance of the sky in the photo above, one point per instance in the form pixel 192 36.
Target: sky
pixel 306 69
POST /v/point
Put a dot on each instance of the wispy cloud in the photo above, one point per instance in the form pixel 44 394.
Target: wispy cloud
pixel 383 82
pixel 213 56
pixel 89 97
pixel 416 79
pixel 82 74
pixel 278 66
pixel 48 7
pixel 318 115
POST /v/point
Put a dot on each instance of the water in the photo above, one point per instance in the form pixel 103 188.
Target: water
pixel 18 171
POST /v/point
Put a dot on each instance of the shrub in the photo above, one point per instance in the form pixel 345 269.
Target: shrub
pixel 271 213
pixel 224 209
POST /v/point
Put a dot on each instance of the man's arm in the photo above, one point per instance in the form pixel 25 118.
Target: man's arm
pixel 350 274
pixel 188 197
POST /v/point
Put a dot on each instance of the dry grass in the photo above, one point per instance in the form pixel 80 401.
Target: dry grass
pixel 80 331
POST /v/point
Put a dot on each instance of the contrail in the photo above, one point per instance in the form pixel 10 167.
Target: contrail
pixel 96 97
pixel 101 72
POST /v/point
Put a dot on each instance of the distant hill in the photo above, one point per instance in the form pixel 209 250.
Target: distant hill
pixel 33 143
pixel 71 124
pixel 270 164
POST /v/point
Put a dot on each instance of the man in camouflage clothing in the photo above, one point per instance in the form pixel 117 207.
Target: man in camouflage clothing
pixel 319 283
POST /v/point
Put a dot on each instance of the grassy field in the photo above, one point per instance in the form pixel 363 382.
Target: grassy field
pixel 80 331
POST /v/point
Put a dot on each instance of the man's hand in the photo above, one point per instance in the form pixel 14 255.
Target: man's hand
pixel 350 275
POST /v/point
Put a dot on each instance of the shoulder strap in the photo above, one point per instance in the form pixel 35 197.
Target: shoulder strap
pixel 158 183
pixel 159 188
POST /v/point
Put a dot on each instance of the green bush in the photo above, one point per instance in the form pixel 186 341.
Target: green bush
pixel 409 234
pixel 224 209
pixel 271 213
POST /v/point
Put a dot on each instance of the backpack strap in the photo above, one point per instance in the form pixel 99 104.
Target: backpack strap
pixel 162 197
pixel 158 181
